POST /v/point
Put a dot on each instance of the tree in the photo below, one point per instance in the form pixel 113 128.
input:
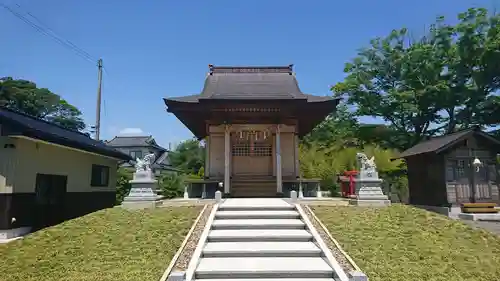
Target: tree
pixel 188 156
pixel 476 68
pixel 380 135
pixel 171 185
pixel 443 81
pixel 337 127
pixel 25 97
pixel 384 81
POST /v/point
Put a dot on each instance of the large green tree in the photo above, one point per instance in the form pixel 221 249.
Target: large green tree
pixel 339 127
pixel 431 85
pixel 343 129
pixel 24 96
pixel 188 156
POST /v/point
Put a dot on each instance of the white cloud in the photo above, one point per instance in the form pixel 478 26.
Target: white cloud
pixel 132 131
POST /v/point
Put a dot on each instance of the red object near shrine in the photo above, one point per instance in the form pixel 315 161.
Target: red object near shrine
pixel 347 183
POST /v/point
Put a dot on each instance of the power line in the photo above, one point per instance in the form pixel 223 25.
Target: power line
pixel 53 32
pixel 45 30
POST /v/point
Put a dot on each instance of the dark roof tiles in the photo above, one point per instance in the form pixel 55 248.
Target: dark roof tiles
pixel 130 141
pixel 250 83
pixel 134 141
pixel 251 86
pixel 436 144
pixel 262 84
pixel 43 130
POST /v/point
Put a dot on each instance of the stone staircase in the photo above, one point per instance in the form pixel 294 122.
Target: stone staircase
pixel 261 239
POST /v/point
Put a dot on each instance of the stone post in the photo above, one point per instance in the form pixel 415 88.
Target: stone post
pixel 186 192
pixel 218 196
pixel 318 190
pixel 301 191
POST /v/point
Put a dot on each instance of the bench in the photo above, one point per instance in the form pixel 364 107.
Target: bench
pixel 479 208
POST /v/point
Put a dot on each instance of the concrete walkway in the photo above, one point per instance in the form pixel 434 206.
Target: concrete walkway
pixel 264 239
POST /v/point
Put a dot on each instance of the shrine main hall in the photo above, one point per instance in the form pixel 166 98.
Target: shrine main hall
pixel 251 119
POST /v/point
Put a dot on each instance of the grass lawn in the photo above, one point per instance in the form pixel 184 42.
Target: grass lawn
pixel 402 243
pixel 113 244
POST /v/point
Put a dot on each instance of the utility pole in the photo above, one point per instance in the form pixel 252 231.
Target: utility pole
pixel 98 108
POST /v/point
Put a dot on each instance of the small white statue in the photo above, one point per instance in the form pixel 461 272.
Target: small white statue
pixel 145 163
pixel 366 165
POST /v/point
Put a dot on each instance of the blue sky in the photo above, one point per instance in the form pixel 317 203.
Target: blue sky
pixel 155 49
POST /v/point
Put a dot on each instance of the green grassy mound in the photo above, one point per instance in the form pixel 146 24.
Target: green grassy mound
pixel 113 244
pixel 410 244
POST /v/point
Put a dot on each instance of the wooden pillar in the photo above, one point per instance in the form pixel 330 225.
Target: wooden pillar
pixel 296 156
pixel 207 156
pixel 279 179
pixel 227 153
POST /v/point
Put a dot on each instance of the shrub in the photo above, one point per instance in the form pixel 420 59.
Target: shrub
pixel 171 185
pixel 123 186
pixel 326 163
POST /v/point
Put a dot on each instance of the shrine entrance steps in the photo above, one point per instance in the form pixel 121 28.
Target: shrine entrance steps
pixel 261 239
pixel 253 187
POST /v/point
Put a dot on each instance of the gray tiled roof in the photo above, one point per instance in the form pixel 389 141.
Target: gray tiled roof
pixel 36 128
pixel 436 144
pixel 251 83
pixel 121 141
pixel 261 85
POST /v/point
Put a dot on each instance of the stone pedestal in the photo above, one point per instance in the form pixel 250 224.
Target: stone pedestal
pixel 142 194
pixel 369 191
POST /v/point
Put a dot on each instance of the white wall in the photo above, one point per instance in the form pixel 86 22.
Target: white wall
pixel 35 157
pixel 7 165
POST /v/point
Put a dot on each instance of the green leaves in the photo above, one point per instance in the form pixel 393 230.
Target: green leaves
pixel 188 156
pixel 338 128
pixel 435 84
pixel 24 96
pixel 171 185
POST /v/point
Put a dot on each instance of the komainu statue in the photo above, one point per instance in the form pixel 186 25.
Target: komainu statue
pixel 145 163
pixel 366 166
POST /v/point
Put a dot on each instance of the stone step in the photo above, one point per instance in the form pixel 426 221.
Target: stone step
pixel 253 187
pixel 257 214
pixel 276 279
pixel 253 194
pixel 253 184
pixel 255 204
pixel 259 235
pixel 255 208
pixel 267 267
pixel 261 249
pixel 258 224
